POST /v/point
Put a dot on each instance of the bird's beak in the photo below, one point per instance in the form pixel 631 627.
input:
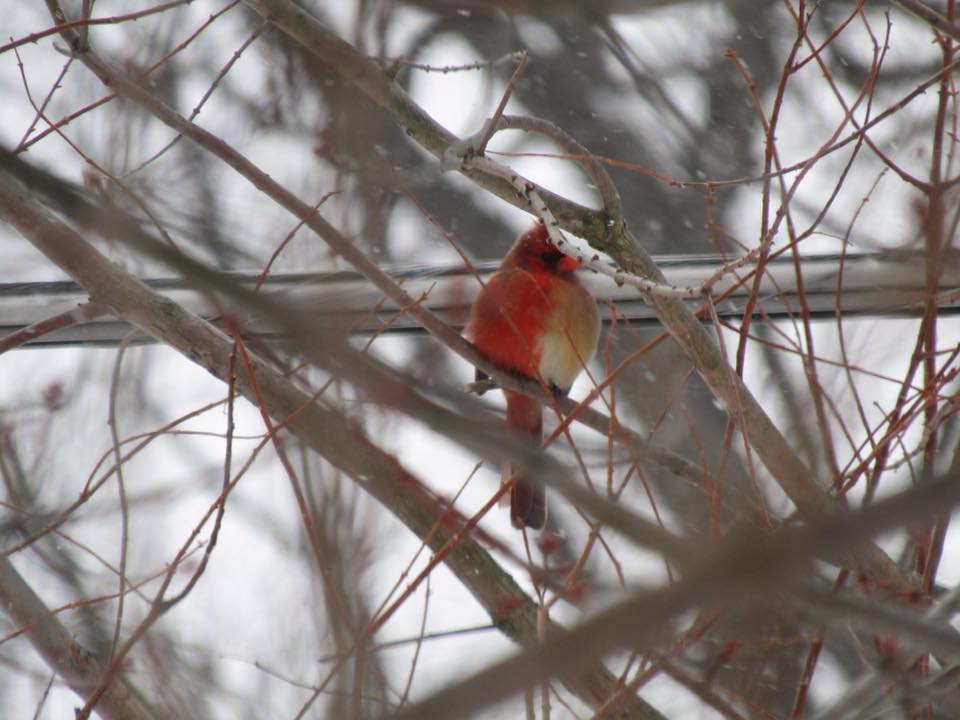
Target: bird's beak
pixel 567 264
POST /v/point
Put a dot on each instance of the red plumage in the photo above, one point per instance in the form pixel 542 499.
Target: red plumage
pixel 533 317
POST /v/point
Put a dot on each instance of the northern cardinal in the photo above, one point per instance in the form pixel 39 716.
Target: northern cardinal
pixel 534 318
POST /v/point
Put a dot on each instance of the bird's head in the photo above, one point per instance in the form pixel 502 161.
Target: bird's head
pixel 533 251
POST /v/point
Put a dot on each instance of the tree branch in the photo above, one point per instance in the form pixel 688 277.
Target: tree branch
pixel 77 666
pixel 336 438
pixel 609 235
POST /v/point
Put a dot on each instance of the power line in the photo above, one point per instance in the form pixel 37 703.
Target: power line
pixel 868 284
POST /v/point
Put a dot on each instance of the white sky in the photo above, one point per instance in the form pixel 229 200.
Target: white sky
pixel 253 563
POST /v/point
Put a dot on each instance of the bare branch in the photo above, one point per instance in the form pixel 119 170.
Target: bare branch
pixel 339 440
pixel 76 665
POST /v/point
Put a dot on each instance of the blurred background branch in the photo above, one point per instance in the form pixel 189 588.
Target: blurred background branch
pixel 815 140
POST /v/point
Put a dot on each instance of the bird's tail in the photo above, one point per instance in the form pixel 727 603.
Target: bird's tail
pixel 528 498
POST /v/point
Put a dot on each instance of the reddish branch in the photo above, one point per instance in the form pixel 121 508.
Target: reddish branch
pixel 339 440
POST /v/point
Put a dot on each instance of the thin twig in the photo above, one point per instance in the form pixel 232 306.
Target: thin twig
pixel 490 126
pixel 83 313
pixel 88 21
pixel 112 423
pixel 509 58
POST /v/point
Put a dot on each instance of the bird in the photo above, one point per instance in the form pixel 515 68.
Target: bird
pixel 535 319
